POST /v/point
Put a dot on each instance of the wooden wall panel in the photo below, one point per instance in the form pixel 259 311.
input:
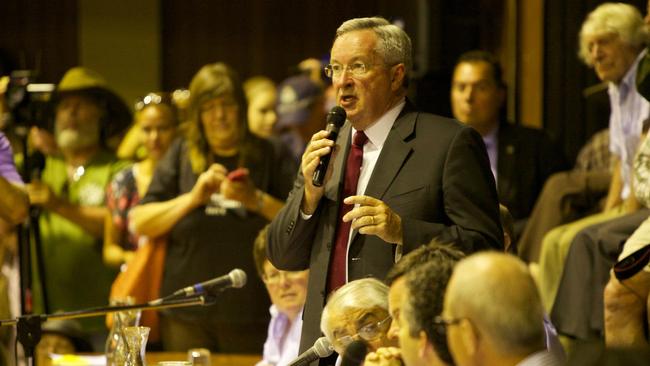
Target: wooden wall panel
pixel 256 36
pixel 39 34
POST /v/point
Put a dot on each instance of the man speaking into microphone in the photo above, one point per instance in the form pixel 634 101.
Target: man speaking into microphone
pixel 396 177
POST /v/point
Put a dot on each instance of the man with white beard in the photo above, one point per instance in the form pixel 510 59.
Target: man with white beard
pixel 71 194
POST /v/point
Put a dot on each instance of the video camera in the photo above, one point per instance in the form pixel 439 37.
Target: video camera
pixel 28 101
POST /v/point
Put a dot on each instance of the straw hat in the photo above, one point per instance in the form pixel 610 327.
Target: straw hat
pixel 81 80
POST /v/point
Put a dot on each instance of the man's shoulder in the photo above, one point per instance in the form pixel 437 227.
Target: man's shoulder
pixel 54 162
pixel 106 158
pixel 441 120
pixel 517 132
pixel 433 123
pixel 445 131
pixel 425 121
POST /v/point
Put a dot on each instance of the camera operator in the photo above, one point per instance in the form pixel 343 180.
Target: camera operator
pixel 71 192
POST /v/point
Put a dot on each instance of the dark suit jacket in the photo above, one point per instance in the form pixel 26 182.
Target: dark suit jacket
pixel 432 171
pixel 527 157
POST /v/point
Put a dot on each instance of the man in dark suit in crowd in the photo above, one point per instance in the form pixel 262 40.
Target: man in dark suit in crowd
pixel 520 158
pixel 397 177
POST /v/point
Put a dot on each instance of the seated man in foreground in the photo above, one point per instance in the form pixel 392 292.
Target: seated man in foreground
pixel 493 314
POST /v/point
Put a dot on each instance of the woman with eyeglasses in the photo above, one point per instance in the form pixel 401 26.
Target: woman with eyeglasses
pixel 358 311
pixel 155 121
pixel 288 292
pixel 210 195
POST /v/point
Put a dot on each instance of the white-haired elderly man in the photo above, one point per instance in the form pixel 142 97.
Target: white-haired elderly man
pixel 627 295
pixel 612 41
pixel 493 314
pixel 358 311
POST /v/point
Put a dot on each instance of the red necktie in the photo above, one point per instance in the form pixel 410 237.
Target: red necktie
pixel 336 274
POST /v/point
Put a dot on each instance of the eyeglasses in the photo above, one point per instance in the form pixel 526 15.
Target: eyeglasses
pixel 276 277
pixel 223 105
pixel 368 332
pixel 357 68
pixel 440 324
pixel 154 99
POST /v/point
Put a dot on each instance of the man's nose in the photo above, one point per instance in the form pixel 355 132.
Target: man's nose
pixel 153 135
pixel 284 280
pixel 392 330
pixel 468 93
pixel 345 79
pixel 596 52
pixel 73 108
pixel 271 117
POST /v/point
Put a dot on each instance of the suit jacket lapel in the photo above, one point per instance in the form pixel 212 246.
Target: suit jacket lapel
pixel 395 151
pixel 392 156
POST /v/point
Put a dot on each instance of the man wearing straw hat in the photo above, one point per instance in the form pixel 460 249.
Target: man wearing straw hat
pixel 71 194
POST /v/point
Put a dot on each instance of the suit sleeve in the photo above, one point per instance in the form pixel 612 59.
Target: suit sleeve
pixel 290 237
pixel 470 201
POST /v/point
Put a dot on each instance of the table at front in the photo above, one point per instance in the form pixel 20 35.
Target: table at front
pixel 216 359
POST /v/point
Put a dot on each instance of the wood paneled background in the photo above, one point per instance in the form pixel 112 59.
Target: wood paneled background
pixel 535 39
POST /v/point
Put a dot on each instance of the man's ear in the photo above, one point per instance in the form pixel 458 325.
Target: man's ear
pixel 469 336
pixel 424 347
pixel 398 73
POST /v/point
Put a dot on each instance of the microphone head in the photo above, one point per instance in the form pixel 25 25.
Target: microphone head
pixel 336 116
pixel 323 347
pixel 237 277
pixel 354 354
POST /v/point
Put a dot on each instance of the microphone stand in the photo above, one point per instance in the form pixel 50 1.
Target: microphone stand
pixel 28 327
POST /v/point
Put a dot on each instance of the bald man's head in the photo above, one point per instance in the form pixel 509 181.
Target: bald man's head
pixel 497 294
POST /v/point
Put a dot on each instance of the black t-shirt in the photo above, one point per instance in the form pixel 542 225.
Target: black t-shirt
pixel 201 246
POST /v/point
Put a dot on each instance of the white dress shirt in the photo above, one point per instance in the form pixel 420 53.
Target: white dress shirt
pixel 629 111
pixel 283 339
pixel 377 133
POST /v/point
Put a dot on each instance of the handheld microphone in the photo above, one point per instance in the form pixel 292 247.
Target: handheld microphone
pixel 355 354
pixel 335 119
pixel 235 278
pixel 321 348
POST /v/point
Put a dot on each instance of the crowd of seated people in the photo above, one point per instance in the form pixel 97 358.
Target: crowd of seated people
pixel 207 175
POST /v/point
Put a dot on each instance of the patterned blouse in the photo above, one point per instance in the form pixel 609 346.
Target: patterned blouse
pixel 121 196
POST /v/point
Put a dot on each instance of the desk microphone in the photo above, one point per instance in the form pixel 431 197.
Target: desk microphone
pixel 321 348
pixel 235 278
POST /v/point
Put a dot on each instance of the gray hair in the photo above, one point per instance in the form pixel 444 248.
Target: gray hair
pixel 394 44
pixel 621 19
pixel 362 294
pixel 497 293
